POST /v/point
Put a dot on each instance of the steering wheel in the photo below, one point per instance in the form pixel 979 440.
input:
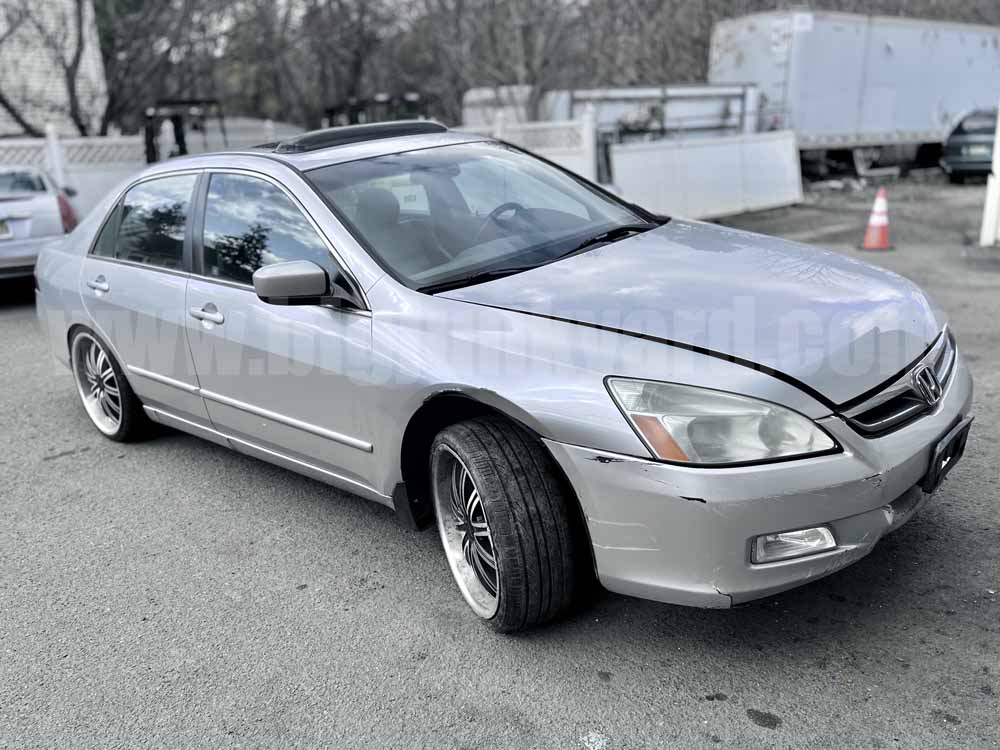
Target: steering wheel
pixel 499 211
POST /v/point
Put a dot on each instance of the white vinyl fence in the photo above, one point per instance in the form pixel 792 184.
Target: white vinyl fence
pixel 698 178
pixel 710 177
pixel 571 143
pixel 95 165
pixel 92 166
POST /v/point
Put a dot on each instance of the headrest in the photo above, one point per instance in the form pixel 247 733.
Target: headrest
pixel 377 208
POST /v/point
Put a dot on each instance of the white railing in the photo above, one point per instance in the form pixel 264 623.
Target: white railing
pixel 570 143
pixel 701 178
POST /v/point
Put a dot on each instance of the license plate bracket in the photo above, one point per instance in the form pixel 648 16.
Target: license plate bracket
pixel 946 454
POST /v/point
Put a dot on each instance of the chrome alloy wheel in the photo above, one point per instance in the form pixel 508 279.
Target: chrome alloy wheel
pixel 465 533
pixel 97 383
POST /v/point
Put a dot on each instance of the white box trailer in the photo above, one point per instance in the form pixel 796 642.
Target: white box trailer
pixel 845 81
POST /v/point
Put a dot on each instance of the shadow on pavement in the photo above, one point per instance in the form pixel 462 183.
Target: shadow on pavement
pixel 17 293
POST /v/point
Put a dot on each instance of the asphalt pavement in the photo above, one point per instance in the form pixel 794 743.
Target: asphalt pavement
pixel 175 594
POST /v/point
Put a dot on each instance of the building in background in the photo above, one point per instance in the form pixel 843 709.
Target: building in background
pixel 41 41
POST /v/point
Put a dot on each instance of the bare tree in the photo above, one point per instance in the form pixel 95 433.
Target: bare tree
pixel 63 35
pixel 291 59
pixel 155 50
pixel 13 18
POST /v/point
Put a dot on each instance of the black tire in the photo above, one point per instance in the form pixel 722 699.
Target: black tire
pixel 530 513
pixel 133 424
pixel 956 179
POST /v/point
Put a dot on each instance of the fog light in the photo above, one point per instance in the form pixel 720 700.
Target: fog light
pixel 788 544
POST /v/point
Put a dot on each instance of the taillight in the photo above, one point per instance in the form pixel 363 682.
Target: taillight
pixel 66 213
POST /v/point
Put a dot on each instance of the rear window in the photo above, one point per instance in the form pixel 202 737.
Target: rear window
pixel 978 123
pixel 153 219
pixel 20 181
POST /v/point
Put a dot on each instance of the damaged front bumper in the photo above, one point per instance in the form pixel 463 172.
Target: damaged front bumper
pixel 684 535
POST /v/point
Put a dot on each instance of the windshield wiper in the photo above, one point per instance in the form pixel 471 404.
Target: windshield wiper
pixel 611 235
pixel 476 278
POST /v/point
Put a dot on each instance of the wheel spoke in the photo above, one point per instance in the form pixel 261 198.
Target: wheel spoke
pixel 485 576
pixel 110 407
pixel 485 555
pixel 90 362
pixel 456 498
pixel 472 505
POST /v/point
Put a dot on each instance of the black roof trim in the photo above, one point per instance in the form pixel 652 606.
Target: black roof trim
pixel 317 139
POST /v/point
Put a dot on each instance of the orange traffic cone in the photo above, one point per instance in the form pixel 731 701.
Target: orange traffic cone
pixel 877 236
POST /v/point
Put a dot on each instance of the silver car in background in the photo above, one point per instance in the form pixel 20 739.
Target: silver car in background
pixel 564 383
pixel 33 210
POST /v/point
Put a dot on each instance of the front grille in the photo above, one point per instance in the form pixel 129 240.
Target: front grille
pixel 899 404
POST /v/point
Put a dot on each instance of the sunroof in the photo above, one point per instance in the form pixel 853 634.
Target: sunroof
pixel 318 139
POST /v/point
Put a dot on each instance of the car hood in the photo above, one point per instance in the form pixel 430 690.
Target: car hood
pixel 835 324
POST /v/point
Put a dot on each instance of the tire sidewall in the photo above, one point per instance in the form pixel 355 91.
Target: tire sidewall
pixel 498 516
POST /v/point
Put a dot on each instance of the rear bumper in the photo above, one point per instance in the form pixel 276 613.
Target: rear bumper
pixel 966 166
pixel 683 536
pixel 17 257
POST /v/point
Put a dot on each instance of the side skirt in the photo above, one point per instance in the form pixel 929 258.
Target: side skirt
pixel 266 454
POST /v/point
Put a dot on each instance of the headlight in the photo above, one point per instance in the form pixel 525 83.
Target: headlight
pixel 701 426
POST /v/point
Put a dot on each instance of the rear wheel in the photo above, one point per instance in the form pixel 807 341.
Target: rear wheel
pixel 505 519
pixel 106 395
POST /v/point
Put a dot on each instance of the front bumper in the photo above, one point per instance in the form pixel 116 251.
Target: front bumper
pixel 682 535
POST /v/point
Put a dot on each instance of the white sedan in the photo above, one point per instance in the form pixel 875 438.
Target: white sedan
pixel 33 210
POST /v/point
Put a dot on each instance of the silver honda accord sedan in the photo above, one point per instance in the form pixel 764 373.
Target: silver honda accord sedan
pixel 564 383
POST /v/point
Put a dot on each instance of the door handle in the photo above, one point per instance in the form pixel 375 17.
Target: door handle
pixel 100 284
pixel 208 312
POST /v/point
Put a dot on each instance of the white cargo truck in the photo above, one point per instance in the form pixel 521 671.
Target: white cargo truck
pixel 858 83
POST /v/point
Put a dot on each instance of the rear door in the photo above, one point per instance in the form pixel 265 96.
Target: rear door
pixel 277 379
pixel 133 283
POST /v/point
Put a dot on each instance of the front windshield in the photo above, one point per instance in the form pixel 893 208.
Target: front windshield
pixel 442 215
pixel 978 123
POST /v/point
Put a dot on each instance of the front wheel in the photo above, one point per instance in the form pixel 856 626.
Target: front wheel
pixel 506 522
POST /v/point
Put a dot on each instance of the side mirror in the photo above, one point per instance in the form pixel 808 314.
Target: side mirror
pixel 302 282
pixel 71 192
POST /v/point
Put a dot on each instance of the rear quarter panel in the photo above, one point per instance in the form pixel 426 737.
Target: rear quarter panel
pixel 57 277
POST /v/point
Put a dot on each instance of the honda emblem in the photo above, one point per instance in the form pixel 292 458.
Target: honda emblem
pixel 926 384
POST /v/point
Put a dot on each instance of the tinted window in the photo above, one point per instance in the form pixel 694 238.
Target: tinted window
pixel 13 181
pixel 978 123
pixel 105 245
pixel 153 218
pixel 250 223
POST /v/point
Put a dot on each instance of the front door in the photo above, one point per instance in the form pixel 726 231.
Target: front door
pixel 279 380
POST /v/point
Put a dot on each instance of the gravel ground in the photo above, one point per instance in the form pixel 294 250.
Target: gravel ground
pixel 174 594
